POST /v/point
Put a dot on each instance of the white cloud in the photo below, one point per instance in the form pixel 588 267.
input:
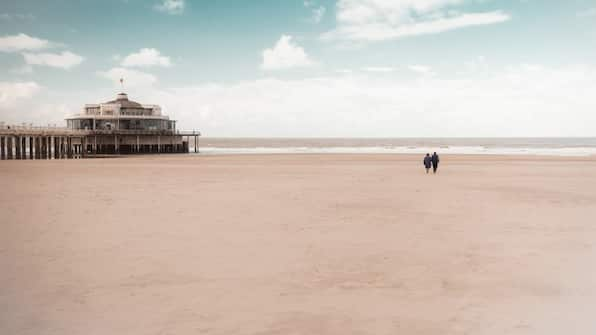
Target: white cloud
pixel 11 92
pixel 519 100
pixel 515 101
pixel 172 7
pixel 132 78
pixel 284 55
pixel 146 57
pixel 25 69
pixel 377 20
pixel 16 16
pixel 591 12
pixel 421 69
pixel 65 59
pixel 22 42
pixel 317 13
pixel 378 69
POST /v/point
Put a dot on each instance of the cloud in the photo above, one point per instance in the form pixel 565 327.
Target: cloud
pixel 421 69
pixel 11 92
pixel 317 12
pixel 172 7
pixel 517 100
pixel 146 57
pixel 22 42
pixel 378 69
pixel 591 12
pixel 378 20
pixel 132 78
pixel 16 16
pixel 25 69
pixel 285 55
pixel 513 101
pixel 64 60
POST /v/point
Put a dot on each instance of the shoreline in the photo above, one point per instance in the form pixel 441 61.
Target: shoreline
pixel 384 155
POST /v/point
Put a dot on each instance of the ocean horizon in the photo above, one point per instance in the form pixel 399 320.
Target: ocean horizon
pixel 547 146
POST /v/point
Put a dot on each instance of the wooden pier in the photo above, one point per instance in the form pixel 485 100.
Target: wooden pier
pixel 27 142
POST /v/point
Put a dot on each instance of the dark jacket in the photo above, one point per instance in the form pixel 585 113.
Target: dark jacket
pixel 435 159
pixel 427 161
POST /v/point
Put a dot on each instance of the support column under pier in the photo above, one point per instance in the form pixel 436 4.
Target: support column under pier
pixel 63 147
pixel 49 148
pixel 38 148
pixel 24 147
pixel 2 149
pixel 68 147
pixel 9 147
pixel 31 152
pixel 36 143
pixel 43 147
pixel 17 147
pixel 59 145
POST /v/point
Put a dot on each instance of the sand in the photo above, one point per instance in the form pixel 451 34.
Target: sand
pixel 298 244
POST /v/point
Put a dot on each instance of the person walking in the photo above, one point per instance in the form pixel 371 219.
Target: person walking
pixel 427 162
pixel 435 162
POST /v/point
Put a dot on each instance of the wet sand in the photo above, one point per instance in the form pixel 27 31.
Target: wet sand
pixel 298 244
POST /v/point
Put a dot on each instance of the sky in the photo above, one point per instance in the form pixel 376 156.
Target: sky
pixel 309 68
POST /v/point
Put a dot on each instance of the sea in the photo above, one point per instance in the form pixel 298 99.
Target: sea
pixel 584 146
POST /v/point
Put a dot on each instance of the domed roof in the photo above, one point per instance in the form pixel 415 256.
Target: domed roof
pixel 122 99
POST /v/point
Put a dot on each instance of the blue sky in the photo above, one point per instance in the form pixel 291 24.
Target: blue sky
pixel 310 68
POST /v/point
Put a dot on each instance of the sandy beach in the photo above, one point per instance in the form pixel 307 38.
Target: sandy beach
pixel 298 244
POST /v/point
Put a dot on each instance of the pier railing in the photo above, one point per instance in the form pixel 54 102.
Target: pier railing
pixel 42 131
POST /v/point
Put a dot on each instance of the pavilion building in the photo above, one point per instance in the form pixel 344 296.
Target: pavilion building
pixel 123 126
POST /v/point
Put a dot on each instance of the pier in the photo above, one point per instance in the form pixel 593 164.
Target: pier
pixel 28 142
pixel 25 142
pixel 116 127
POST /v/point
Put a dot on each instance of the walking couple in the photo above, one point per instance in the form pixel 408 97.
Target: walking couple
pixel 431 161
